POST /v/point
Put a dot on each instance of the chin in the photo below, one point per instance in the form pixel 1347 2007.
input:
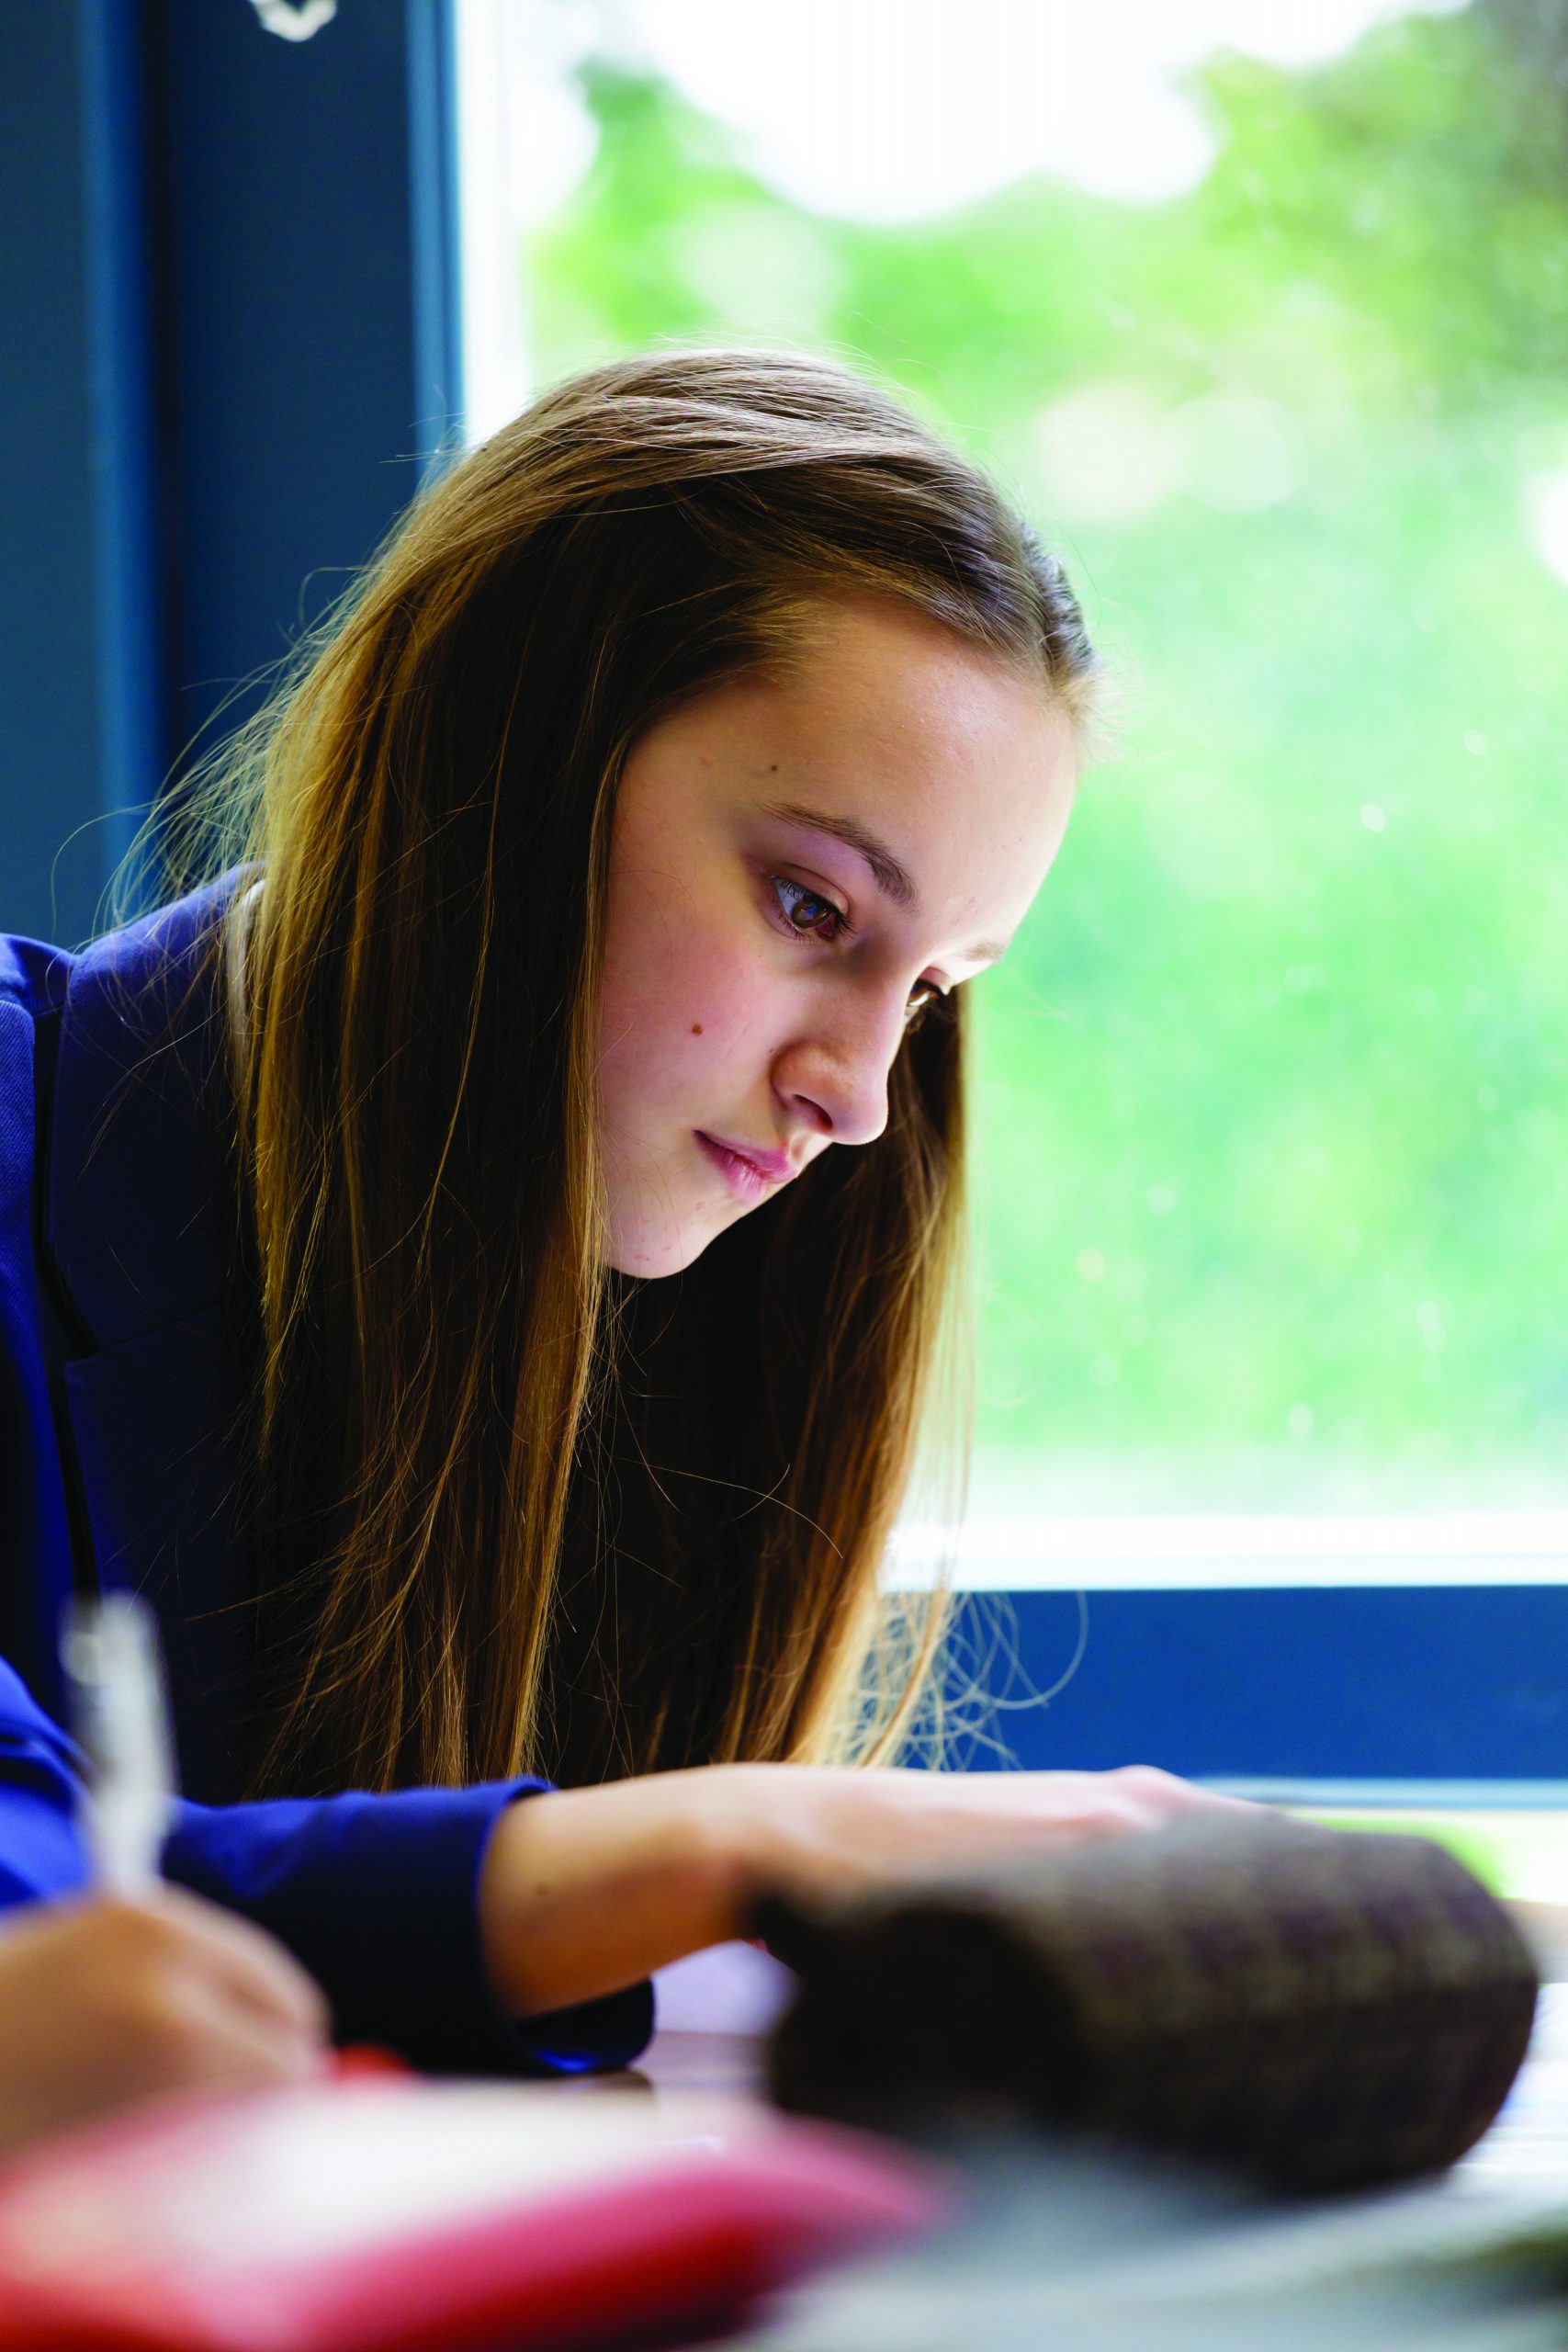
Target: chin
pixel 650 1257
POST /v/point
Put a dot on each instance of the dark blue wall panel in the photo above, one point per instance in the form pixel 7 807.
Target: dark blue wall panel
pixel 80 738
pixel 306 187
pixel 229 287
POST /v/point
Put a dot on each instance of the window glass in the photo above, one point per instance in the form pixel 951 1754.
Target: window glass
pixel 1264 313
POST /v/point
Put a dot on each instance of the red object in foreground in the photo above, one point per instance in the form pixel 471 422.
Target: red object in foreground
pixel 377 2215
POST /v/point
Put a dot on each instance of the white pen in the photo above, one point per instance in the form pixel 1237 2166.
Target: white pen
pixel 110 1653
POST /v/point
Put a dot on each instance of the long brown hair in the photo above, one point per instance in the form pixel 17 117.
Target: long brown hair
pixel 512 1512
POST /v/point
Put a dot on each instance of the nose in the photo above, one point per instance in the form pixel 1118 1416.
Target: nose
pixel 833 1077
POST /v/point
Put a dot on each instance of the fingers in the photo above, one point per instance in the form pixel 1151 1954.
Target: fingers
pixel 208 1999
pixel 110 1998
pixel 244 1968
pixel 202 2030
pixel 1150 1799
pixel 1168 1796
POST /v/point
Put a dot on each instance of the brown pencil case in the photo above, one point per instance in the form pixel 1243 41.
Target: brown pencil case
pixel 1327 2008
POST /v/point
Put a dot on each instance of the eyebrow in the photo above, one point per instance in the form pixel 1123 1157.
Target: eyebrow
pixel 892 877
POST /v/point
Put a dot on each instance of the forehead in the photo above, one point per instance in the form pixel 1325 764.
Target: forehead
pixel 954 757
pixel 870 679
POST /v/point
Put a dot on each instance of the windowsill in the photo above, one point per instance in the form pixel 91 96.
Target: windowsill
pixel 1222 1551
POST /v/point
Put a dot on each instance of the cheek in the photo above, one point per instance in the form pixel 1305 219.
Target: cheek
pixel 678 1020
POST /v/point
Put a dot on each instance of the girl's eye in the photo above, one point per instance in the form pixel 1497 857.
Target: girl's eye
pixel 924 994
pixel 805 912
pixel 811 916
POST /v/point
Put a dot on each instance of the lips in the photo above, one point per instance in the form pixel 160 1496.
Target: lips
pixel 750 1172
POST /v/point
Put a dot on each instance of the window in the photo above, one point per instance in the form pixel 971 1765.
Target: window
pixel 1265 313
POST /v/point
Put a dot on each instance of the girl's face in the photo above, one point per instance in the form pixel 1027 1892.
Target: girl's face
pixel 795 862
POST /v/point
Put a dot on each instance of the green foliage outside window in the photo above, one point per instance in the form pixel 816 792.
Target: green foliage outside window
pixel 1274 1133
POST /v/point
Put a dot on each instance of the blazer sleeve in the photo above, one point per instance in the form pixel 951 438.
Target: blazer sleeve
pixel 376 1896
pixel 379 1896
pixel 40 1848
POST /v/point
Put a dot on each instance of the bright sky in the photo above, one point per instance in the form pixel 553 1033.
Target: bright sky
pixel 890 110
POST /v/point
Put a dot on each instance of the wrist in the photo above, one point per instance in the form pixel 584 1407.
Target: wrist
pixel 584 1891
pixel 730 1829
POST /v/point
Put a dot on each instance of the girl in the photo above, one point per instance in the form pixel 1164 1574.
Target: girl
pixel 479 1261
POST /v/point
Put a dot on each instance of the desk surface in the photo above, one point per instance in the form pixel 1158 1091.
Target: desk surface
pixel 714 2011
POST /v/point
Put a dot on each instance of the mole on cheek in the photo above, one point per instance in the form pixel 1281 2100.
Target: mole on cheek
pixel 697 1028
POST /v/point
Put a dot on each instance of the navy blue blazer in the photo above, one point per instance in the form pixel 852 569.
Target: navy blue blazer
pixel 126 1331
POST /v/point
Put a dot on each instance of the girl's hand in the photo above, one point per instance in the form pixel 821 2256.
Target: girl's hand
pixel 586 1889
pixel 106 1998
pixel 839 1831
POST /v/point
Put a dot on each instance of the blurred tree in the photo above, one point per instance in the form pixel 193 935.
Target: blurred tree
pixel 1273 1122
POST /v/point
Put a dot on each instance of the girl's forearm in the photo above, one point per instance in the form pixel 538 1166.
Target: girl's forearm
pixel 586 1889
